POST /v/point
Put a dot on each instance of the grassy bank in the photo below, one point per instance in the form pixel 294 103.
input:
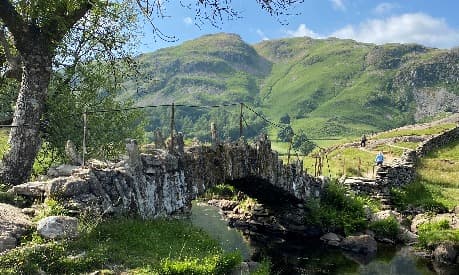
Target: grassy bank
pixel 129 245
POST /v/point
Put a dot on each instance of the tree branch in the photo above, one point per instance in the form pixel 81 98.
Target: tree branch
pixel 14 69
pixel 12 19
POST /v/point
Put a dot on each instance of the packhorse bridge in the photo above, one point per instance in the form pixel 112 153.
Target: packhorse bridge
pixel 163 182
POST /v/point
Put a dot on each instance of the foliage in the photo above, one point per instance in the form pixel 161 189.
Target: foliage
pixel 221 191
pixel 95 91
pixel 286 134
pixel 417 194
pixel 264 268
pixel 285 119
pixel 12 199
pixel 431 234
pixel 387 228
pixel 218 264
pixel 336 211
pixel 129 244
pixel 302 143
pixel 51 207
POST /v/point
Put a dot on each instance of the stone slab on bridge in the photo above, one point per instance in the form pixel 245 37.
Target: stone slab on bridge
pixel 159 183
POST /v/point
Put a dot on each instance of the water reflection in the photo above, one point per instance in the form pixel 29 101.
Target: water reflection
pixel 308 256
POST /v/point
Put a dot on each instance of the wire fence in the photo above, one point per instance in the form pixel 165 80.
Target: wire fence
pixel 320 159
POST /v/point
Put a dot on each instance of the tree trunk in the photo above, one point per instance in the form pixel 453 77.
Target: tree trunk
pixel 24 139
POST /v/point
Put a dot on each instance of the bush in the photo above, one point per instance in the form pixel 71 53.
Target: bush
pixel 431 234
pixel 337 211
pixel 387 228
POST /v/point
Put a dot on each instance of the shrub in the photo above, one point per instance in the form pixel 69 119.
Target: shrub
pixel 431 234
pixel 336 211
pixel 387 228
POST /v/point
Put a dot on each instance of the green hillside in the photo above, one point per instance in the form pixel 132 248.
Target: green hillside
pixel 329 87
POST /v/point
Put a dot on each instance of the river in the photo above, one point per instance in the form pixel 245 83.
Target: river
pixel 308 256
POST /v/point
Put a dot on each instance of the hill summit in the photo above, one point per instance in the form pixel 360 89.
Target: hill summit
pixel 329 87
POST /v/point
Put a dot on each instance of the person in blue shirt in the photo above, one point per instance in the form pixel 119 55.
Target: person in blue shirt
pixel 379 158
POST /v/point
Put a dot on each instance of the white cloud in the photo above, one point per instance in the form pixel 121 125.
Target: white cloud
pixel 188 20
pixel 406 28
pixel 385 7
pixel 338 5
pixel 262 34
pixel 301 31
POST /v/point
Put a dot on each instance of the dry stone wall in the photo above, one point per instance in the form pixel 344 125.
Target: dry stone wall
pixel 159 183
pixel 401 171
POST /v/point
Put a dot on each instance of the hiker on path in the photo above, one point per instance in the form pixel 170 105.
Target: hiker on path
pixel 363 141
pixel 379 159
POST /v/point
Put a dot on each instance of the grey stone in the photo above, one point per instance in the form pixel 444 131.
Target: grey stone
pixel 63 170
pixel 7 242
pixel 445 253
pixel 364 244
pixel 407 237
pixel 13 224
pixel 385 214
pixel 452 219
pixel 331 239
pixel 28 211
pixel 58 227
pixel 29 189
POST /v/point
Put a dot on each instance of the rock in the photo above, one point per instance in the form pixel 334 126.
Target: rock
pixel 30 189
pixel 58 227
pixel 7 242
pixel 445 253
pixel 385 214
pixel 456 210
pixel 13 224
pixel 331 239
pixel 225 205
pixel 28 211
pixel 62 170
pixel 245 268
pixel 406 236
pixel 364 244
pixel 452 219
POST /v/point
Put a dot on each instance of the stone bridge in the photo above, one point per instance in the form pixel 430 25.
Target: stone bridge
pixel 164 182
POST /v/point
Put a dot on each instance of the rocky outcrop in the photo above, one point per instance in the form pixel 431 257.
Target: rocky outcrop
pixel 364 244
pixel 331 239
pixel 13 224
pixel 451 218
pixel 58 227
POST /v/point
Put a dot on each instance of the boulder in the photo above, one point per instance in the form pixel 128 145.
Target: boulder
pixel 407 237
pixel 445 253
pixel 13 224
pixel 63 170
pixel 385 214
pixel 364 244
pixel 58 227
pixel 331 239
pixel 34 189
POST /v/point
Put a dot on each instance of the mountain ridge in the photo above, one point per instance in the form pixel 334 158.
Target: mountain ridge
pixel 330 87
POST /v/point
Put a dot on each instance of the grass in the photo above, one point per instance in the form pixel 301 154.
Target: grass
pixel 416 132
pixel 135 246
pixel 439 172
pixel 3 141
pixel 432 234
pixel 336 212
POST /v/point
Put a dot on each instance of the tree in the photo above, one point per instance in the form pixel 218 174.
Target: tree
pixel 302 143
pixel 285 119
pixel 286 134
pixel 38 27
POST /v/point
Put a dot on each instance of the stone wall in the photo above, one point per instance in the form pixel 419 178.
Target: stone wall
pixel 402 171
pixel 159 183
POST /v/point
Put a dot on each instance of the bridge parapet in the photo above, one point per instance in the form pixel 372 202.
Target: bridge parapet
pixel 208 166
pixel 160 183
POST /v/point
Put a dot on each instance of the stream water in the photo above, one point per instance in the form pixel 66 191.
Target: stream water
pixel 308 256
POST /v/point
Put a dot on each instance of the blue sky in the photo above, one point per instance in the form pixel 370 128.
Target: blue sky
pixel 433 23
